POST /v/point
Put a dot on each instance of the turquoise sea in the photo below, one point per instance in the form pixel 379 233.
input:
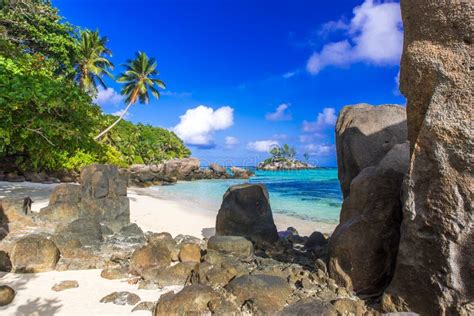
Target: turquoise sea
pixel 308 194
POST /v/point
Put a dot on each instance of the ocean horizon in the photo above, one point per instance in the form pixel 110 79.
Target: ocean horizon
pixel 312 194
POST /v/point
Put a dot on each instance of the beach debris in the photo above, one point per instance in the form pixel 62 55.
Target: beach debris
pixel 65 285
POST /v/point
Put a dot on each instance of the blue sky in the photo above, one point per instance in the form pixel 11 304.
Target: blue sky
pixel 245 75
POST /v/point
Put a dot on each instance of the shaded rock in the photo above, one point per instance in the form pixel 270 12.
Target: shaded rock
pixel 132 233
pixel 364 135
pixel 308 306
pixel 363 247
pixel 14 177
pixel 177 274
pixel 245 211
pixel 315 241
pixel 86 230
pixel 148 256
pixel 434 269
pixel 65 285
pixel 144 306
pixel 231 245
pixel 35 177
pixel 7 294
pixel 121 298
pixel 267 293
pixel 34 253
pixel 190 253
pixel 192 299
pixel 5 262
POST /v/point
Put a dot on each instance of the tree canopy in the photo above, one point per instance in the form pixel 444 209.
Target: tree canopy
pixel 48 119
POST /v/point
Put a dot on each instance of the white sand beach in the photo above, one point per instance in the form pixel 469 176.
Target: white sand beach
pixel 151 213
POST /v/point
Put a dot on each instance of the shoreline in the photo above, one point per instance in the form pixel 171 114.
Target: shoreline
pixel 152 212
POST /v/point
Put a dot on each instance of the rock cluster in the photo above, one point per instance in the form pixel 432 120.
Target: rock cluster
pixel 373 155
pixel 186 169
pixel 101 197
pixel 434 272
pixel 284 164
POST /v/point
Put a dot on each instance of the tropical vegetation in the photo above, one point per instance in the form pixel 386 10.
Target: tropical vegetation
pixel 50 73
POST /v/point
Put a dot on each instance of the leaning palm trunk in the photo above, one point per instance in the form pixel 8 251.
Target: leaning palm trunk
pixel 114 123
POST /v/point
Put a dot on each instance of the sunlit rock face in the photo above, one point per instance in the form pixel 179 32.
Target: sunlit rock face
pixel 364 135
pixel 435 271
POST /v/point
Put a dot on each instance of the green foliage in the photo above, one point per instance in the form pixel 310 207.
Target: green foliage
pixel 144 143
pixel 42 116
pixel 282 153
pixel 47 122
pixel 92 62
pixel 139 78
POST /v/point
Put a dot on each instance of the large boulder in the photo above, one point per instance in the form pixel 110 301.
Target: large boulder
pixel 217 168
pixel 102 195
pixel 363 247
pixel 245 211
pixel 364 135
pixel 435 271
pixel 86 230
pixel 34 253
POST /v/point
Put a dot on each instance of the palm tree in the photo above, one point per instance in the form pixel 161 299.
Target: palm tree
pixel 138 80
pixel 92 61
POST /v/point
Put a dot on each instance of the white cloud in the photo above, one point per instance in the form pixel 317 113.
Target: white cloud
pixel 374 35
pixel 120 112
pixel 327 118
pixel 197 125
pixel 281 113
pixel 320 149
pixel 231 141
pixel 176 94
pixel 108 97
pixel 262 145
pixel 289 74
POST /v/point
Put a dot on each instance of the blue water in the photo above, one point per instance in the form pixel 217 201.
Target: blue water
pixel 308 194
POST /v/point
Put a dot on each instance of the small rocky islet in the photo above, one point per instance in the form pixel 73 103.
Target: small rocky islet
pixel 404 242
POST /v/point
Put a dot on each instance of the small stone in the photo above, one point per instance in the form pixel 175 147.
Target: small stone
pixel 190 253
pixel 121 298
pixel 65 285
pixel 7 294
